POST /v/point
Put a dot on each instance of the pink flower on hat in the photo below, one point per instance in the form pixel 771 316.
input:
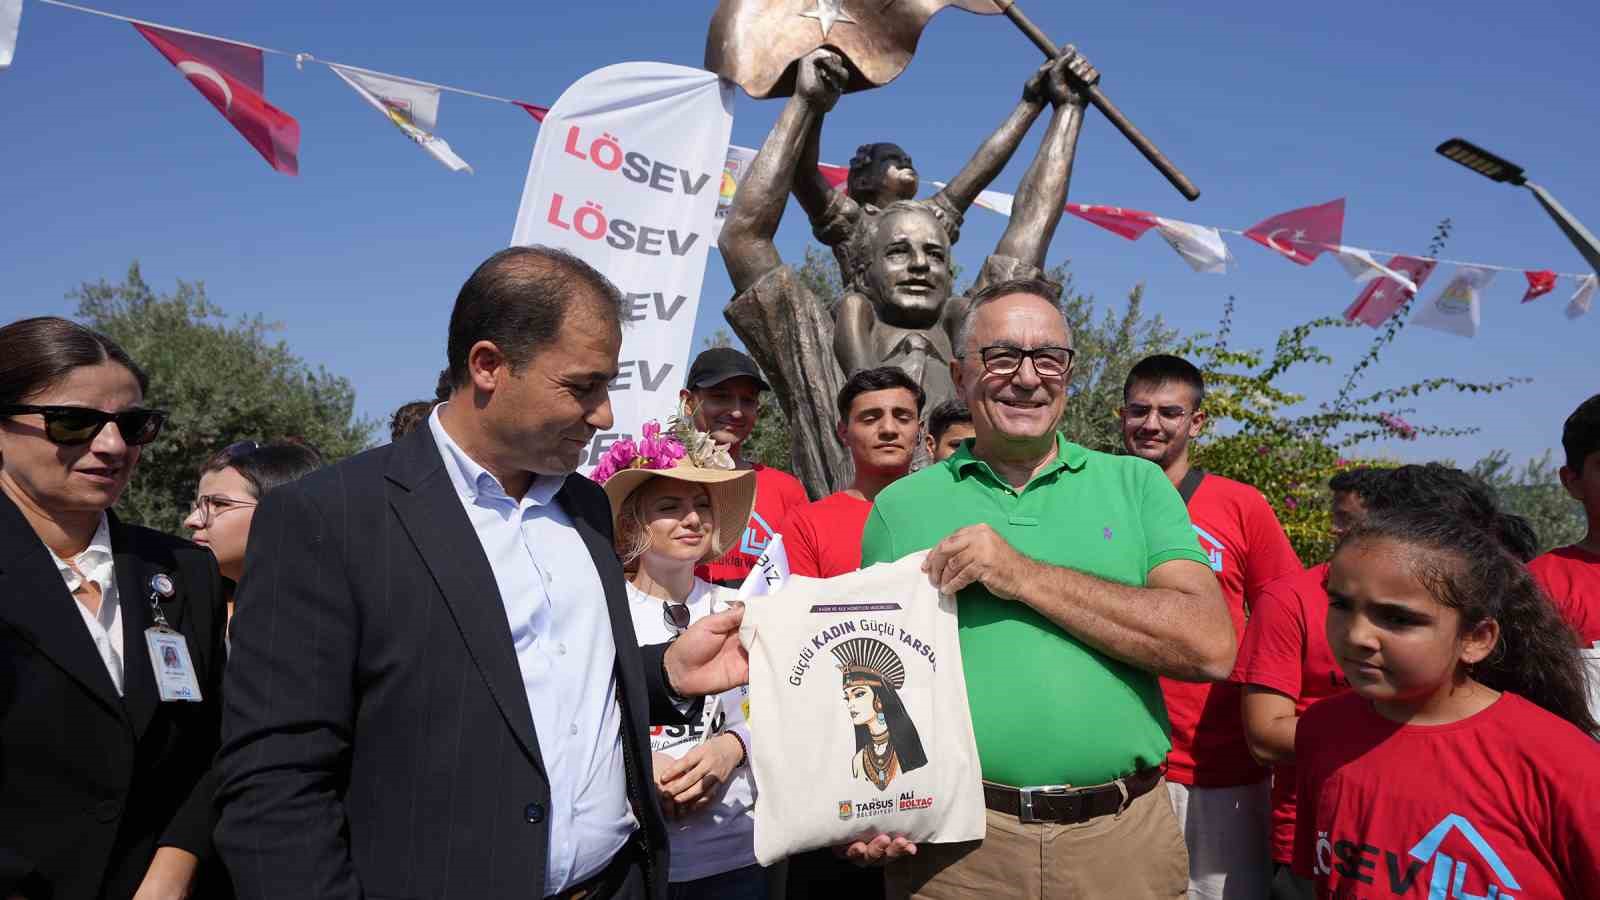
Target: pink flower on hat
pixel 653 450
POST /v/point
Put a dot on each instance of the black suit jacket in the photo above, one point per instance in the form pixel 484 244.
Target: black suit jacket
pixel 91 783
pixel 377 739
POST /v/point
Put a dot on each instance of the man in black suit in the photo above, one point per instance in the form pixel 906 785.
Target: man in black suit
pixel 435 689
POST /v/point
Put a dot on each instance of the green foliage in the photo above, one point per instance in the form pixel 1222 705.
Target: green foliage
pixel 1535 493
pixel 221 381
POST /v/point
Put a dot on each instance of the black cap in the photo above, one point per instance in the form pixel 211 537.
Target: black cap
pixel 718 364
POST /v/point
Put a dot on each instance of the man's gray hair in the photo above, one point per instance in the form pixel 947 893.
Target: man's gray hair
pixel 1042 288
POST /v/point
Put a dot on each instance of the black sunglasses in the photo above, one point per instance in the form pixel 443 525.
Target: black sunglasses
pixel 71 425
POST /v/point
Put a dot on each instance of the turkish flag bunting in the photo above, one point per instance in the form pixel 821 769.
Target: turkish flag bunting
pixel 229 75
pixel 836 175
pixel 1129 223
pixel 1381 298
pixel 1302 234
pixel 538 112
pixel 1539 284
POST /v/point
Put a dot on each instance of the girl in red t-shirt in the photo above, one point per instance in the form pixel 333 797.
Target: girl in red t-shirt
pixel 1463 763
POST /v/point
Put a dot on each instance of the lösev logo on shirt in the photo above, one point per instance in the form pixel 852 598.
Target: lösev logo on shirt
pixel 1212 547
pixel 1481 879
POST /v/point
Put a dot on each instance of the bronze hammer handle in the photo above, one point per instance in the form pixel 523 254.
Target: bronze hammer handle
pixel 1109 109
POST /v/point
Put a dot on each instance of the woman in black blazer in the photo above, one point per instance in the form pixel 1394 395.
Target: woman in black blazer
pixel 105 787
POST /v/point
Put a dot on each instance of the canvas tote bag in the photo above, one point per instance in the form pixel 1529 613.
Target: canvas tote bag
pixel 859 715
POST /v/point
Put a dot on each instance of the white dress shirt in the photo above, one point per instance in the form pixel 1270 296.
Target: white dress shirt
pixel 561 629
pixel 105 627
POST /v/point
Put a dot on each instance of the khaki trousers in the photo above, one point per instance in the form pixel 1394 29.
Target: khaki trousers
pixel 1135 855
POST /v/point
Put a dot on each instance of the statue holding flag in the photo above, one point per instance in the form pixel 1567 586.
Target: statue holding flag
pixel 899 309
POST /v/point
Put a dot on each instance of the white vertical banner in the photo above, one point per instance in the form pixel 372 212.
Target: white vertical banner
pixel 626 175
pixel 10 23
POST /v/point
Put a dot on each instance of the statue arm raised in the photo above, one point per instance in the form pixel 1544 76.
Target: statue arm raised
pixel 746 241
pixel 993 154
pixel 1042 195
pixel 810 188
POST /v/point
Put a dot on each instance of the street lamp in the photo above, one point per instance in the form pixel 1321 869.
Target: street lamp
pixel 1499 169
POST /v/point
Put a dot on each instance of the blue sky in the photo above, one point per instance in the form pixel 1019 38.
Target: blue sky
pixel 107 156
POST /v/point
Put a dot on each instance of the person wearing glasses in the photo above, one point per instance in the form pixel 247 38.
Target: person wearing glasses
pixel 232 482
pixel 1221 794
pixel 672 510
pixel 105 748
pixel 1080 582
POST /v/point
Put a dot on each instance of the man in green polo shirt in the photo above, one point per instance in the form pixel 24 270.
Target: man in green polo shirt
pixel 1079 581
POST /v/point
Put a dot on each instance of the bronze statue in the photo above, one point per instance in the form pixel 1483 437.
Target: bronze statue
pixel 898 307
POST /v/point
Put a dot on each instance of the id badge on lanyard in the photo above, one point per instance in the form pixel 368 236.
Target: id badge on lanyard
pixel 169 651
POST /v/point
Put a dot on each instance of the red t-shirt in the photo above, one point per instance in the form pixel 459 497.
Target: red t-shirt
pixel 1248 549
pixel 1499 804
pixel 1571 576
pixel 823 539
pixel 777 493
pixel 1285 649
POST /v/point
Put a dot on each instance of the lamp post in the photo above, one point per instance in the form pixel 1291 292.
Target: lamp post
pixel 1499 169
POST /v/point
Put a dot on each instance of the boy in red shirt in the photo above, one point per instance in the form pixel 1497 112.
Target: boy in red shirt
pixel 724 390
pixel 880 415
pixel 1219 792
pixel 1463 761
pixel 1571 575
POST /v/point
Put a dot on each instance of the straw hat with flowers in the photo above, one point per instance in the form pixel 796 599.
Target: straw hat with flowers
pixel 683 454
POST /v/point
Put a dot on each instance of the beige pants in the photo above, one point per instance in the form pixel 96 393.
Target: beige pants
pixel 1228 831
pixel 1135 855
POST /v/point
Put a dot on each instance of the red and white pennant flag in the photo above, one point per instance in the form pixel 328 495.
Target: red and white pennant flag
pixel 1200 246
pixel 1583 300
pixel 1302 234
pixel 229 76
pixel 1383 296
pixel 1539 284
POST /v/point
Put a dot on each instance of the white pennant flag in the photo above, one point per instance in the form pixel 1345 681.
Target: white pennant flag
pixel 994 201
pixel 770 572
pixel 1200 246
pixel 412 107
pixel 1455 309
pixel 1363 268
pixel 10 21
pixel 1584 298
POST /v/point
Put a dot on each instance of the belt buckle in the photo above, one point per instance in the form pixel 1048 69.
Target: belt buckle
pixel 1026 795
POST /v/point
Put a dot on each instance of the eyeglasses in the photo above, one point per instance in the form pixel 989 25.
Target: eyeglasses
pixel 676 615
pixel 1048 362
pixel 209 506
pixel 1138 412
pixel 73 425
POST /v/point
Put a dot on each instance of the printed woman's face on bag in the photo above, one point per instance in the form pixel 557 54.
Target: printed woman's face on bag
pixel 858 698
pixel 678 518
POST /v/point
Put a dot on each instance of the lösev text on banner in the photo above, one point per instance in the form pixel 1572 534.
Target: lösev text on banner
pixel 625 175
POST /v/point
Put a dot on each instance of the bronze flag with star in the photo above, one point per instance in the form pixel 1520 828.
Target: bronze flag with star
pixel 755 43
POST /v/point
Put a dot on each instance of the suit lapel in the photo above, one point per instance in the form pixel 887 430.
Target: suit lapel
pixel 36 602
pixel 431 513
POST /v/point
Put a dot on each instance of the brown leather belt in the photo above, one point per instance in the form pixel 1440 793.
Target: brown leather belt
pixel 1069 805
pixel 606 882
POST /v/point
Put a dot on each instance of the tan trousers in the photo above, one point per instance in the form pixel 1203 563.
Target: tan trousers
pixel 1135 855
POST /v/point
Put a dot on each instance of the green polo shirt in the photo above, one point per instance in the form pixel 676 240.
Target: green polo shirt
pixel 1048 708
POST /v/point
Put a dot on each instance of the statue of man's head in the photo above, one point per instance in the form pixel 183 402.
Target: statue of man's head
pixel 881 174
pixel 903 261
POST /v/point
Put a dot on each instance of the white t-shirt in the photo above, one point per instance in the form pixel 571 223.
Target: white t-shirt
pixel 721 837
